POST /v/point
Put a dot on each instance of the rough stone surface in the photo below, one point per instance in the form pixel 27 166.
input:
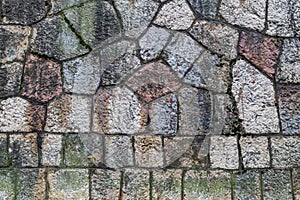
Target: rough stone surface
pixel 224 152
pixel 175 15
pixel 262 51
pixel 296 183
pixel 277 184
pixel 3 150
pixel 10 78
pixel 255 152
pixel 167 184
pixel 217 37
pixel 118 110
pixel 255 97
pixel 52 150
pixel 23 150
pixel 153 80
pixel 69 114
pixel 68 184
pixel 221 115
pixel 59 5
pixel 283 18
pixel 289 109
pixel 285 151
pixel 105 184
pixel 7 187
pixel 205 8
pixel 245 13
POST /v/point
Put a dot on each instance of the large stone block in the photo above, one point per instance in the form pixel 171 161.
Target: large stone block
pixel 52 150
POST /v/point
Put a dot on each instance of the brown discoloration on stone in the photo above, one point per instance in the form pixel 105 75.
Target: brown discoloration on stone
pixel 101 102
pixel 35 116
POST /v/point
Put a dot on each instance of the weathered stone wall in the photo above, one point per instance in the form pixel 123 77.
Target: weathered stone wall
pixel 149 99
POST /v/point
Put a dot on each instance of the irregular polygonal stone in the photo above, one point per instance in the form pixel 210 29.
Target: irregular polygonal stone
pixel 153 80
pixel 69 114
pixel 285 151
pixel 148 151
pixel 289 65
pixel 95 21
pixel 136 184
pixel 23 150
pixel 153 42
pixel 217 37
pixel 175 15
pixel 31 184
pixel 54 38
pixel 24 11
pixel 255 152
pixel 82 75
pixel 205 8
pixel 17 114
pixel 42 79
pixel 246 185
pixel 289 109
pixel 210 72
pixel 3 151
pixel 136 15
pixel 105 184
pixel 283 18
pixel 10 78
pixel 59 5
pixel 245 13
pixel 68 184
pixel 255 97
pixel 262 51
pixel 224 152
pixel 296 183
pixel 118 110
pixel 51 150
pixel 277 184
pixel 118 151
pixel 207 185
pixel 13 43
pixel 7 186
pixel 167 184
pixel 195 111
pixel 181 52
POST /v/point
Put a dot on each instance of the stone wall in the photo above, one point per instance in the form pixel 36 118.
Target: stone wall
pixel 149 99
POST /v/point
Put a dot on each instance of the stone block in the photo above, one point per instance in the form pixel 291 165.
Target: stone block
pixel 52 150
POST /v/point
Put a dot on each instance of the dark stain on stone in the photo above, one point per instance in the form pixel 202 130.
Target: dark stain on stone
pixel 204 101
pixel 101 111
pixel 3 79
pixel 35 116
pixel 150 91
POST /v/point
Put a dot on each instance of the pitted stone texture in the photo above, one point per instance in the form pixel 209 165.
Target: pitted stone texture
pixel 92 144
pixel 285 152
pixel 82 75
pixel 205 8
pixel 153 80
pixel 3 151
pixel 17 114
pixel 136 15
pixel 105 184
pixel 23 150
pixel 118 151
pixel 23 11
pixel 289 65
pixel 13 43
pixel 68 184
pixel 277 184
pixel 148 151
pixel 255 152
pixel 246 185
pixel 195 111
pixel 153 42
pixel 52 150
pixel 163 114
pixel 245 13
pixel 217 37
pixel 283 18
pixel 207 185
pixel 262 51
pixel 224 152
pixel 94 21
pixel 296 183
pixel 289 109
pixel 31 184
pixel 221 115
pixel 42 79
pixel 69 114
pixel 59 5
pixel 7 187
pixel 10 78
pixel 118 110
pixel 167 184
pixel 181 52
pixel 210 72
pixel 255 97
pixel 136 184
pixel 54 38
